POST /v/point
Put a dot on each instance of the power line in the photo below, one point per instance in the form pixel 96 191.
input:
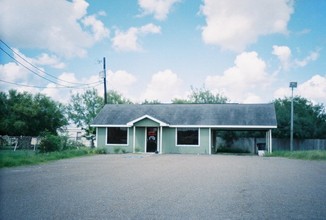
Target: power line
pixel 44 87
pixel 39 69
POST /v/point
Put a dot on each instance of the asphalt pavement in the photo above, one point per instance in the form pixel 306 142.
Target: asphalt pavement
pixel 150 186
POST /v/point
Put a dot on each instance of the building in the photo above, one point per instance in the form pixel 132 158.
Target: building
pixel 177 128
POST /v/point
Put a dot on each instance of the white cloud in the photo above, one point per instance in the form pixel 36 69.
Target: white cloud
pixel 120 81
pixel 129 40
pixel 12 72
pixel 50 25
pixel 99 30
pixel 244 80
pixel 164 86
pixel 159 8
pixel 313 89
pixel 311 57
pixel 284 54
pixel 234 25
pixel 49 60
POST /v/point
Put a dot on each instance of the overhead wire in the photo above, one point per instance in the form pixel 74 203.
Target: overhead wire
pixel 46 87
pixel 76 85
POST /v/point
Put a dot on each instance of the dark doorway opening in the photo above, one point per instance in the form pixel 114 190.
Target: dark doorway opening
pixel 151 139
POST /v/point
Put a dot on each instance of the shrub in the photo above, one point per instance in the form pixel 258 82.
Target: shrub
pixel 50 142
pixel 101 150
pixel 117 150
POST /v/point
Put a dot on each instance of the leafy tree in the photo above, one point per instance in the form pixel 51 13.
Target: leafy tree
pixel 82 110
pixel 202 96
pixel 114 97
pixel 309 120
pixel 151 102
pixel 25 114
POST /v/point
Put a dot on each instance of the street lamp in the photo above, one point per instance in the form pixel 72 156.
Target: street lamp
pixel 292 86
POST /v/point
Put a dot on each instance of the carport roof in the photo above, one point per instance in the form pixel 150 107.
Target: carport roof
pixel 185 115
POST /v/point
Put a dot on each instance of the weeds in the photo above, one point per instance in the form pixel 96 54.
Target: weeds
pixel 303 155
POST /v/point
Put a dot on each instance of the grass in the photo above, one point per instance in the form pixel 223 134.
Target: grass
pixel 10 158
pixel 303 155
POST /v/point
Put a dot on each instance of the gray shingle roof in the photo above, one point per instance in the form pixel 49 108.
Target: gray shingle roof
pixel 214 115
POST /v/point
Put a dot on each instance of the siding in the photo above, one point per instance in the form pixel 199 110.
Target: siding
pixel 169 143
pixel 101 141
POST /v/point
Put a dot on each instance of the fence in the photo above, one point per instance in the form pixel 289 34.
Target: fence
pixel 250 144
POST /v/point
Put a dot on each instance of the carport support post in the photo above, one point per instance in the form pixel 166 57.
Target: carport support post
pixel 134 139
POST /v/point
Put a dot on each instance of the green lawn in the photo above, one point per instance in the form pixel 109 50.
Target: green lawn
pixel 10 158
pixel 303 155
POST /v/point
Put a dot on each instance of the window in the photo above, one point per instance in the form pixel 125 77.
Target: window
pixel 188 136
pixel 117 135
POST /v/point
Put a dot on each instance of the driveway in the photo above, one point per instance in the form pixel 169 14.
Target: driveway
pixel 165 187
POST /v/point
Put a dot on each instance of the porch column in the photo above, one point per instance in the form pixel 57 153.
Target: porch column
pixel 161 140
pixel 134 140
pixel 210 141
pixel 269 140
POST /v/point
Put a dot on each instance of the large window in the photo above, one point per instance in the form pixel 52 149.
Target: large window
pixel 188 136
pixel 117 135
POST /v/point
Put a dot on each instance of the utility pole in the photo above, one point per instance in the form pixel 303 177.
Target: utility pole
pixel 292 85
pixel 104 76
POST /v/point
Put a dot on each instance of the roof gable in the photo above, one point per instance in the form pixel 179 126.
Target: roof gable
pixel 131 123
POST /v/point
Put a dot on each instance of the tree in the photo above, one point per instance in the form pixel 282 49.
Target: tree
pixel 25 114
pixel 202 96
pixel 309 119
pixel 82 110
pixel 113 97
pixel 151 102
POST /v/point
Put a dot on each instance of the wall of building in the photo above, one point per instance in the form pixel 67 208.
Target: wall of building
pixel 101 142
pixel 169 143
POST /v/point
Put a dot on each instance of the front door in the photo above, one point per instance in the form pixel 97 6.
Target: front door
pixel 151 139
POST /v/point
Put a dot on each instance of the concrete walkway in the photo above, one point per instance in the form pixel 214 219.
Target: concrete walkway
pixel 165 187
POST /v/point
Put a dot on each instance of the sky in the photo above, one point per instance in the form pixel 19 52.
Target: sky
pixel 248 51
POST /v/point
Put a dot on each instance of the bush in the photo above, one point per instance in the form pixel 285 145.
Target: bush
pixel 50 143
pixel 101 150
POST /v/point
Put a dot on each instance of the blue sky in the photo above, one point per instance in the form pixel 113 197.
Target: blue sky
pixel 247 50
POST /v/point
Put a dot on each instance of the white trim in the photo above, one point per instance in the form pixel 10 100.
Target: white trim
pixel 149 117
pixel 145 143
pixel 197 126
pixel 122 145
pixel 106 126
pixel 161 140
pixel 96 141
pixel 225 126
pixel 186 145
pixel 134 140
pixel 209 141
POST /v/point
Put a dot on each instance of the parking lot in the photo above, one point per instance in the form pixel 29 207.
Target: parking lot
pixel 149 186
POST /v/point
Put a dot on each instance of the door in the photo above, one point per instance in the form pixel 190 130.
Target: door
pixel 151 139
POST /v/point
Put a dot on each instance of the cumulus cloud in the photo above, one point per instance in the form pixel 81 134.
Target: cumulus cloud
pixel 313 89
pixel 164 86
pixel 98 28
pixel 284 54
pixel 120 81
pixel 44 29
pixel 233 25
pixel 129 40
pixel 159 8
pixel 244 80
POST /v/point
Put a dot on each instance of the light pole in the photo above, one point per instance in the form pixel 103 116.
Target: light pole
pixel 292 86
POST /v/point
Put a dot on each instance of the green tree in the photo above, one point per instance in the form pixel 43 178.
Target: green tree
pixel 202 96
pixel 309 119
pixel 82 109
pixel 114 97
pixel 151 102
pixel 25 114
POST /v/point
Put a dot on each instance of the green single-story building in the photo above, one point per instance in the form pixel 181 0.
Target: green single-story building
pixel 177 128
